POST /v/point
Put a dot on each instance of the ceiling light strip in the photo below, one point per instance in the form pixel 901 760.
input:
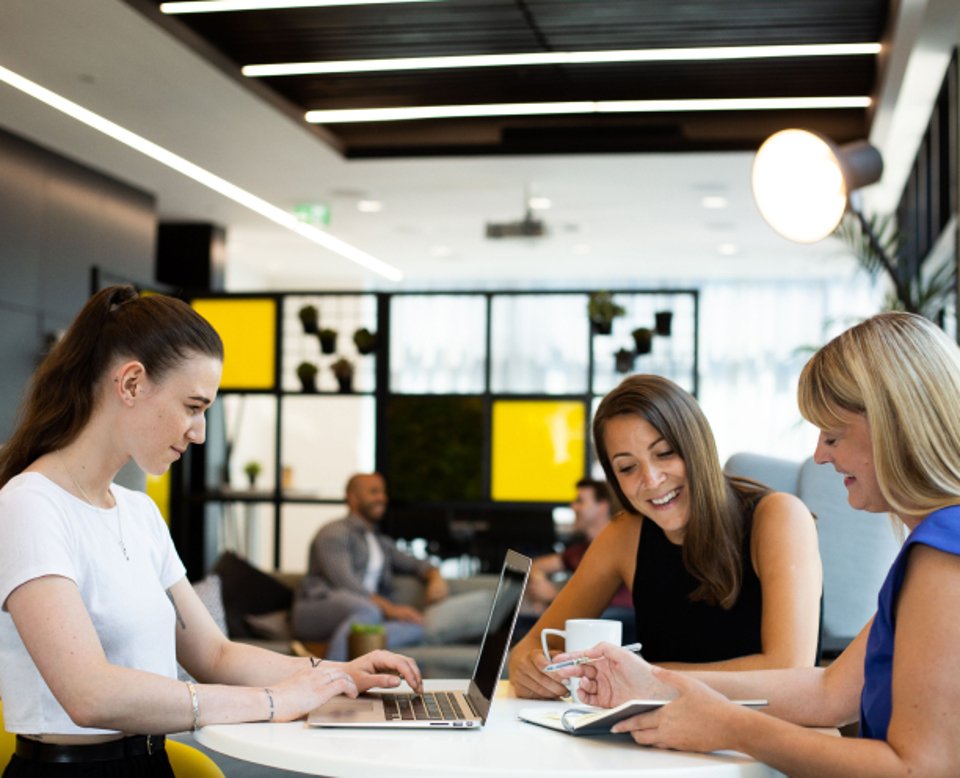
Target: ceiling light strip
pixel 559 58
pixel 413 113
pixel 225 6
pixel 199 174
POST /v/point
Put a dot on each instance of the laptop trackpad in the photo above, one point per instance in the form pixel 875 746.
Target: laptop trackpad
pixel 341 709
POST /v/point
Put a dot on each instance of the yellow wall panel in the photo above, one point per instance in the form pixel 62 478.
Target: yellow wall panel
pixel 538 450
pixel 247 327
pixel 158 490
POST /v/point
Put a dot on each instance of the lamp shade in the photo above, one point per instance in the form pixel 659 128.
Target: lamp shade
pixel 801 181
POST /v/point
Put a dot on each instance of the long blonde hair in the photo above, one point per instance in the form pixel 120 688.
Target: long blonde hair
pixel 903 373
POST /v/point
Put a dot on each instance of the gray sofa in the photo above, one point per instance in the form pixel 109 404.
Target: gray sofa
pixel 856 547
pixel 254 607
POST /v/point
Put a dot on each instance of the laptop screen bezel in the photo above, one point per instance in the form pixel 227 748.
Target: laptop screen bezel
pixel 518 564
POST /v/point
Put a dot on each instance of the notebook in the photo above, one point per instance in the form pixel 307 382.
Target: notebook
pixel 448 708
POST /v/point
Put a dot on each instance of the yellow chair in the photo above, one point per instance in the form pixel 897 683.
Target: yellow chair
pixel 187 762
pixel 8 742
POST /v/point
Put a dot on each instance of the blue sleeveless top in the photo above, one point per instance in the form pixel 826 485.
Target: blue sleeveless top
pixel 940 530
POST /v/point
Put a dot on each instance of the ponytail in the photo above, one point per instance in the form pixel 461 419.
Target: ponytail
pixel 159 331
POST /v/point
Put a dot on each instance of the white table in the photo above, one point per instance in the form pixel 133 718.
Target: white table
pixel 504 747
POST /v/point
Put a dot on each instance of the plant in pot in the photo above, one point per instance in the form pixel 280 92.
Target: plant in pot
pixel 624 360
pixel 307 373
pixel 364 638
pixel 602 310
pixel 365 341
pixel 252 470
pixel 328 340
pixel 643 339
pixel 343 370
pixel 663 322
pixel 309 318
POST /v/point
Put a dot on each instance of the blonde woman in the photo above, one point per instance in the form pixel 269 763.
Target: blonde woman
pixel 724 573
pixel 886 397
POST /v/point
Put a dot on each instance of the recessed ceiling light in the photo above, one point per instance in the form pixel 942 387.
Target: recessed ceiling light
pixel 581 248
pixel 556 58
pixel 369 206
pixel 440 251
pixel 539 203
pixel 420 112
pixel 200 175
pixel 222 6
pixel 714 202
pixel 728 249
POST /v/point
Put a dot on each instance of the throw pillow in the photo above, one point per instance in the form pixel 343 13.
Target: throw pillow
pixel 247 590
pixel 210 592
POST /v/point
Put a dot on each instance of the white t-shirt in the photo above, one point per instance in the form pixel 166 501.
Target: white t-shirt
pixel 45 530
pixel 371 576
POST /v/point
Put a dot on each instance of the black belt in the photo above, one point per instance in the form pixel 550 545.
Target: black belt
pixel 136 745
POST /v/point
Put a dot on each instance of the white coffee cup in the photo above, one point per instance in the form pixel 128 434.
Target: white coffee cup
pixel 580 634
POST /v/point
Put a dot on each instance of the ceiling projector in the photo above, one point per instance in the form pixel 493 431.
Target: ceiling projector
pixel 527 227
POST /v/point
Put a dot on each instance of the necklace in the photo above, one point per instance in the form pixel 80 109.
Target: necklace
pixel 123 546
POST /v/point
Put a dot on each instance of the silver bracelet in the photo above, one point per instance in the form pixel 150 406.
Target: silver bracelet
pixel 273 709
pixel 195 702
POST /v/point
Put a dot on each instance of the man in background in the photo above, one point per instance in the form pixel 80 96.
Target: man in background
pixel 350 572
pixel 592 510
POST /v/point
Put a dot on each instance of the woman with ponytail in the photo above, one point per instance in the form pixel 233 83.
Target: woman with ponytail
pixel 96 609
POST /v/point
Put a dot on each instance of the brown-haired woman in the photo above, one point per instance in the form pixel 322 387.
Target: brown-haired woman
pixel 96 610
pixel 725 574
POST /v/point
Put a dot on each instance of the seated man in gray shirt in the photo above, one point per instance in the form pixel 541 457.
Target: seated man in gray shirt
pixel 349 579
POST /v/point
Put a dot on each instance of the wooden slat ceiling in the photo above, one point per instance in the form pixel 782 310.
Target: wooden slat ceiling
pixel 458 27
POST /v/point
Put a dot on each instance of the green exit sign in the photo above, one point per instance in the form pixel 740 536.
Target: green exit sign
pixel 316 214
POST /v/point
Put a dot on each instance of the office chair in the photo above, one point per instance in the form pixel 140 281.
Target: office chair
pixel 187 762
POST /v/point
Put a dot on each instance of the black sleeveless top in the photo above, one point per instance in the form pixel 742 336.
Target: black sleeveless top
pixel 670 626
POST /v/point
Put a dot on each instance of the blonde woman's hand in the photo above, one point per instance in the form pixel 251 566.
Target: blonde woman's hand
pixel 618 675
pixel 698 719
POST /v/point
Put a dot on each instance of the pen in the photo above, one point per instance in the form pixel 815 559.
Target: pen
pixel 583 660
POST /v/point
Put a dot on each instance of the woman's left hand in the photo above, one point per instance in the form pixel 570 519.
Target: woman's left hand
pixel 384 668
pixel 699 719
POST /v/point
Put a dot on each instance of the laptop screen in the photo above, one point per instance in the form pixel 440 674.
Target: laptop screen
pixel 496 640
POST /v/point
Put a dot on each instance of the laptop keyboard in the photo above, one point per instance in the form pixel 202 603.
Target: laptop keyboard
pixel 429 706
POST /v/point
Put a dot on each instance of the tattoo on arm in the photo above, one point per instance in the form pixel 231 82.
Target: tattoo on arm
pixel 314 662
pixel 176 610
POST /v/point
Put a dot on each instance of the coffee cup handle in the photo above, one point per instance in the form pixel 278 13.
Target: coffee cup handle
pixel 543 639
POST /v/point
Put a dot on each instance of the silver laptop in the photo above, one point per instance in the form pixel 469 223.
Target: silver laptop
pixel 453 709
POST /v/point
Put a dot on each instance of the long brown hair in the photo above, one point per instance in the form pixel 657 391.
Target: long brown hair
pixel 159 331
pixel 720 506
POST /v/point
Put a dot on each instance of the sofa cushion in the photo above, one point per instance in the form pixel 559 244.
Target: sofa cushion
pixel 781 475
pixel 857 549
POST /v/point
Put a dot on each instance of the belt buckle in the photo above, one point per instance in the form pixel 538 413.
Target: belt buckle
pixel 150 745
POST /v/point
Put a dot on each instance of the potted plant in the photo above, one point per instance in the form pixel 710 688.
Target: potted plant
pixel 307 373
pixel 364 638
pixel 309 318
pixel 602 310
pixel 624 358
pixel 664 322
pixel 252 469
pixel 343 369
pixel 365 341
pixel 328 340
pixel 643 339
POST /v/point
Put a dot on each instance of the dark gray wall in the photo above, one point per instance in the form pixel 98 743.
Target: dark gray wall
pixel 57 220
